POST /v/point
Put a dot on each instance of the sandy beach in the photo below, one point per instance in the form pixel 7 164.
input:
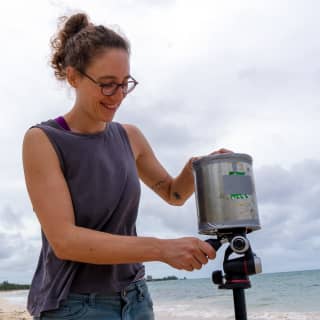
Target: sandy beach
pixel 10 311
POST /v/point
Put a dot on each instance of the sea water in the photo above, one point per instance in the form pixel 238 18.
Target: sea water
pixel 286 295
pixel 273 296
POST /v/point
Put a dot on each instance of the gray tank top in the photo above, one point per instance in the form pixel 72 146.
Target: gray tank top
pixel 101 174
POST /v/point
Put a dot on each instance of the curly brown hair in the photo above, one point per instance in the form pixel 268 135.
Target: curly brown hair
pixel 78 41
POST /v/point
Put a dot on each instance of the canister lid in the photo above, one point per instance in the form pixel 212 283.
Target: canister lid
pixel 222 157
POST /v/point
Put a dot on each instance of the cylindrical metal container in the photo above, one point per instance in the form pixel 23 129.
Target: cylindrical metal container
pixel 225 193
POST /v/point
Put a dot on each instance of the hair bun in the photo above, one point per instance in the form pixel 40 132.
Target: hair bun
pixel 78 41
pixel 74 24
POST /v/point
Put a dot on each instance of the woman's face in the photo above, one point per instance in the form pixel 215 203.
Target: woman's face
pixel 110 66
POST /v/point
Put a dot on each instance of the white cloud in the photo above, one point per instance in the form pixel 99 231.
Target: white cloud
pixel 238 74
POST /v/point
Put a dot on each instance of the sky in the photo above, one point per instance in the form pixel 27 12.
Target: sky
pixel 242 75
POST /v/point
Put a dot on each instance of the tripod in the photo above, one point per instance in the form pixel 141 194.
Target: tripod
pixel 236 270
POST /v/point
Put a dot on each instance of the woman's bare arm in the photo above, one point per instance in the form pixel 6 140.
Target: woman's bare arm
pixel 176 190
pixel 52 203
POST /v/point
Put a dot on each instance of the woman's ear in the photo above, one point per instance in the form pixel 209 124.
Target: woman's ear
pixel 72 76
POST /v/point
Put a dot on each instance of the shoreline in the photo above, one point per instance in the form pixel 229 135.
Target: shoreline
pixel 16 310
pixel 11 311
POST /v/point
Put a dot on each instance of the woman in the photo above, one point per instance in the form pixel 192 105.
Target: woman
pixel 82 172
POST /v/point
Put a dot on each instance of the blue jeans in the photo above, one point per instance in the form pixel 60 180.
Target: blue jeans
pixel 133 303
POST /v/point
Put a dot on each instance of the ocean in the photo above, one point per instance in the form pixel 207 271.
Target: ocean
pixel 285 295
pixel 273 296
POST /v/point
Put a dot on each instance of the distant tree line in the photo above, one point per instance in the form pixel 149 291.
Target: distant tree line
pixel 5 285
pixel 150 278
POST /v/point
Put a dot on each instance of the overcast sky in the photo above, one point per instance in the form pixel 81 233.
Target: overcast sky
pixel 243 75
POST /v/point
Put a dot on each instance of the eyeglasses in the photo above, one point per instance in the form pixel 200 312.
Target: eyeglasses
pixel 109 89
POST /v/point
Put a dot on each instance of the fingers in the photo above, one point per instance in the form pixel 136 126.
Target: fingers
pixel 189 268
pixel 207 249
pixel 201 256
pixel 222 150
pixel 195 264
pixel 187 253
pixel 192 264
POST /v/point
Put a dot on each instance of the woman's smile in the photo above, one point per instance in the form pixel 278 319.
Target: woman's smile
pixel 111 107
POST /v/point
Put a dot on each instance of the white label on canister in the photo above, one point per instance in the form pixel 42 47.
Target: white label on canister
pixel 237 184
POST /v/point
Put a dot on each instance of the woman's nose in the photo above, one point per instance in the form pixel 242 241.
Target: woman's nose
pixel 118 96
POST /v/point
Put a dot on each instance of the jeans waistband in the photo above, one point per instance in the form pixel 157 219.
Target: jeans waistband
pixel 137 285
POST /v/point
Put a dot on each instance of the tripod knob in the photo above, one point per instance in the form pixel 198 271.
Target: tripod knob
pixel 217 277
pixel 239 244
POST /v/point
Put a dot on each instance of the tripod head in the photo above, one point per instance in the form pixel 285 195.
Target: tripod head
pixel 237 270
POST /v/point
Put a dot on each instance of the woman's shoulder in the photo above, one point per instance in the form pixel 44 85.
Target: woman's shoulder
pixel 38 135
pixel 131 129
pixel 36 145
pixel 37 130
pixel 135 137
pixel 34 135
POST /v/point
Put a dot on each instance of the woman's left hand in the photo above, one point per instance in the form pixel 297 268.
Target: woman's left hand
pixel 222 150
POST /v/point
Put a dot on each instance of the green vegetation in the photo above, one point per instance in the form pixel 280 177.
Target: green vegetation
pixel 5 286
pixel 149 278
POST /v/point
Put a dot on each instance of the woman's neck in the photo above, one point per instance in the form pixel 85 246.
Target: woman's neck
pixel 80 122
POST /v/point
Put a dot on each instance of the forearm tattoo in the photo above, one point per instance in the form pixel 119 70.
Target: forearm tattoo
pixel 160 184
pixel 163 184
pixel 177 195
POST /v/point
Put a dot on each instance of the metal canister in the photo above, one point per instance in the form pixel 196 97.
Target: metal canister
pixel 225 193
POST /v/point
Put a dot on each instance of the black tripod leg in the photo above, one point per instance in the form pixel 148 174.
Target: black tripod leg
pixel 239 300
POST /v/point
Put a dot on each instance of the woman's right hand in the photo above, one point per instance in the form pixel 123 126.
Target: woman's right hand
pixel 187 253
